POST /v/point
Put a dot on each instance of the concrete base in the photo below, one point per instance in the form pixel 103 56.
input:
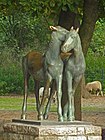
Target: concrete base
pixel 48 130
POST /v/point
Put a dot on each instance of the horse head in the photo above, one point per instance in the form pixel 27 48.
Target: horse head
pixel 58 33
pixel 71 40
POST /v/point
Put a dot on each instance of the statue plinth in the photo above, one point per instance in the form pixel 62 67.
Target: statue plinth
pixel 51 130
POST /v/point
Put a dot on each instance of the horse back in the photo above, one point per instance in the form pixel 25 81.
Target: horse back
pixel 32 62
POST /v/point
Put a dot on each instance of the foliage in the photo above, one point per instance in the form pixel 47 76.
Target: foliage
pixel 101 8
pixel 95 69
pixel 48 8
pixel 22 22
pixel 10 81
pixel 36 7
pixel 19 35
pixel 25 23
pixel 95 59
pixel 11 77
pixel 21 31
pixel 98 41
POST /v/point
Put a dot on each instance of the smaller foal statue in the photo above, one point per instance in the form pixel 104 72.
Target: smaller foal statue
pixel 74 70
pixel 53 67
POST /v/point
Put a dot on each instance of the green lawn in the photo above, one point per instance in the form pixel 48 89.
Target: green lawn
pixel 15 103
pixel 93 109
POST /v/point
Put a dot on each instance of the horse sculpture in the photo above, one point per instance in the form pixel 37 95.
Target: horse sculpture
pixel 44 67
pixel 32 65
pixel 74 70
pixel 53 67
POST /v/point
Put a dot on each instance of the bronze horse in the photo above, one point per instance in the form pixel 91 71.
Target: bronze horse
pixel 32 65
pixel 53 67
pixel 74 70
pixel 35 64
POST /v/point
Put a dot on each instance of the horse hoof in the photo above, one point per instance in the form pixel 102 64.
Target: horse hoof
pixel 23 117
pixel 65 118
pixel 60 119
pixel 71 119
pixel 40 117
pixel 45 117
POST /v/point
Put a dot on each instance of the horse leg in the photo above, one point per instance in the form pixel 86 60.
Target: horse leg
pixel 45 95
pixel 24 106
pixel 65 111
pixel 97 93
pixel 69 109
pixel 36 89
pixel 102 93
pixel 59 96
pixel 47 109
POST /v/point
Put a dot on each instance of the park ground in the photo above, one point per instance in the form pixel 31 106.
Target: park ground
pixel 93 110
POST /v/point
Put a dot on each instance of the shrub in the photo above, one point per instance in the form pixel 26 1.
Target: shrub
pixel 10 73
pixel 95 68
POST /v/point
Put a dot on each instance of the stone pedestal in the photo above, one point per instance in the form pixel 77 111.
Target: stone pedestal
pixel 49 130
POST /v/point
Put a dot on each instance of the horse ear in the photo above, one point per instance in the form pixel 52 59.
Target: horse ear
pixel 53 28
pixel 72 28
pixel 77 30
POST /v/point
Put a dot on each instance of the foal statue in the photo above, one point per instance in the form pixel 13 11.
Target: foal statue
pixel 53 67
pixel 74 70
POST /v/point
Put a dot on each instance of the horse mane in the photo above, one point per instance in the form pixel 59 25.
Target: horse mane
pixel 78 49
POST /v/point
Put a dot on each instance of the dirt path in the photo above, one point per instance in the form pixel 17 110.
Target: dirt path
pixel 97 117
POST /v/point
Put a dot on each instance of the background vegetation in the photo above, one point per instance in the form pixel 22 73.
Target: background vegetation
pixel 27 29
pixel 95 58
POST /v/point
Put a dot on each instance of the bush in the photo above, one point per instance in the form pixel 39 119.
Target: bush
pixel 95 60
pixel 97 44
pixel 11 77
pixel 10 74
pixel 95 68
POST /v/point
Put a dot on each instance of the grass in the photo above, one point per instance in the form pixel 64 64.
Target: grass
pixel 15 103
pixel 92 109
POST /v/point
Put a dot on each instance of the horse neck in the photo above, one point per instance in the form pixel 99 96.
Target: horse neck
pixel 54 49
pixel 78 53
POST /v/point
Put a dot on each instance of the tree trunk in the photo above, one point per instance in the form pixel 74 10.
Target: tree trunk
pixel 90 16
pixel 68 19
pixel 84 93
